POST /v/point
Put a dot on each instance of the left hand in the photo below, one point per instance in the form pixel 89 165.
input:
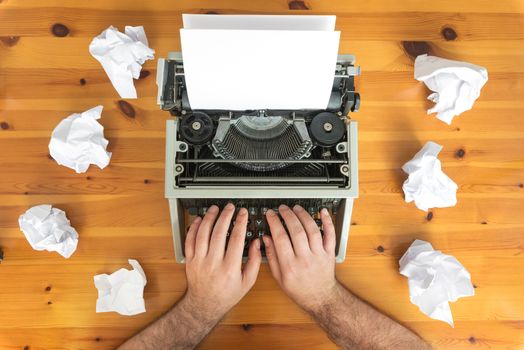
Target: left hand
pixel 215 278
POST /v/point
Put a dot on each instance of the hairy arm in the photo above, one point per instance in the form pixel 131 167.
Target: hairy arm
pixel 303 263
pixel 211 270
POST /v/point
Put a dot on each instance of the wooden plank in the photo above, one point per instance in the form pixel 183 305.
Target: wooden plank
pixel 35 53
pixel 363 26
pixel 505 6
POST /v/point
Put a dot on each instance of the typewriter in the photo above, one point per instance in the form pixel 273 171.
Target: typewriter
pixel 259 159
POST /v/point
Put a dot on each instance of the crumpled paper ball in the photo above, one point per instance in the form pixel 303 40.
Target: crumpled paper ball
pixel 456 84
pixel 122 291
pixel 47 228
pixel 427 184
pixel 122 56
pixel 434 280
pixel 78 141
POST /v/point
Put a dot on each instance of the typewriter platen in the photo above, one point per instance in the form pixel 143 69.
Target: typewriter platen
pixel 259 159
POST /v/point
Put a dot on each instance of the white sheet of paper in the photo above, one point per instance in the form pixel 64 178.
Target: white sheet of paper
pixel 122 56
pixel 434 280
pixel 259 22
pixel 47 228
pixel 78 141
pixel 259 69
pixel 122 291
pixel 427 184
pixel 456 84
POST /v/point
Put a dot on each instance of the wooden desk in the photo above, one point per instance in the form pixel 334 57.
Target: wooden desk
pixel 47 302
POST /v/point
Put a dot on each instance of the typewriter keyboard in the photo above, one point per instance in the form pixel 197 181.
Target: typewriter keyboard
pixel 257 225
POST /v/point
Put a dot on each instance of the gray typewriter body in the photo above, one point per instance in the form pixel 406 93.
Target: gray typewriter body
pixel 260 159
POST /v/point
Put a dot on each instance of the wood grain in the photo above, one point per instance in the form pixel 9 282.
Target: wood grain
pixel 46 73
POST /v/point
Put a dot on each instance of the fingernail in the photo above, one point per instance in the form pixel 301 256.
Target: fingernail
pixel 270 213
pixel 257 244
pixel 283 207
pixel 212 209
pixel 242 211
pixel 229 206
pixel 267 241
pixel 298 208
pixel 197 220
pixel 324 211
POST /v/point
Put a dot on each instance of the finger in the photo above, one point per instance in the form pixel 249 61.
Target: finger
pixel 235 247
pixel 282 244
pixel 250 272
pixel 329 232
pixel 312 230
pixel 217 244
pixel 272 258
pixel 190 238
pixel 296 231
pixel 204 231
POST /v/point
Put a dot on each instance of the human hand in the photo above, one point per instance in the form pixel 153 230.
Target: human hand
pixel 215 278
pixel 304 266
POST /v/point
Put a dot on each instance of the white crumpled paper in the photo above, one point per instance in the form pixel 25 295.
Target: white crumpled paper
pixel 427 184
pixel 47 228
pixel 78 141
pixel 122 291
pixel 456 84
pixel 434 280
pixel 122 56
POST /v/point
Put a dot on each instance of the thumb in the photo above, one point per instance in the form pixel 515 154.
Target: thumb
pixel 252 266
pixel 272 258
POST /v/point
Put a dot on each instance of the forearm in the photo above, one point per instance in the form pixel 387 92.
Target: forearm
pixel 353 324
pixel 183 327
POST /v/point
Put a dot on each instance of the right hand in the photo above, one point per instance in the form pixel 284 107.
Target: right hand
pixel 304 266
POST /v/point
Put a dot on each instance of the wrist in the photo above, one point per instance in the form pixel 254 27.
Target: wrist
pixel 327 299
pixel 201 311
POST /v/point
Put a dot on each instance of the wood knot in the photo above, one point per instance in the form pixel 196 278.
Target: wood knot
pixel 472 340
pixel 247 327
pixel 98 339
pixel 4 125
pixel 416 48
pixel 460 153
pixel 298 5
pixel 88 178
pixel 126 108
pixel 48 288
pixel 83 81
pixel 49 302
pixel 9 40
pixel 27 347
pixel 429 217
pixel 457 129
pixel 353 223
pixel 26 193
pixel 521 185
pixel 475 286
pixel 146 181
pixel 484 222
pixel 59 30
pixel 1 255
pixel 448 33
pixel 144 73
pixel 380 249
